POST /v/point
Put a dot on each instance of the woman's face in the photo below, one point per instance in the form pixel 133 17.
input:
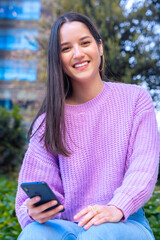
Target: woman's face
pixel 80 53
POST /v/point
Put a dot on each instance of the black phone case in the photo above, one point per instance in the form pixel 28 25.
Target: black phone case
pixel 33 189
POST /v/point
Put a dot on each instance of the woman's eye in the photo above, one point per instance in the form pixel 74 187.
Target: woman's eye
pixel 65 49
pixel 86 43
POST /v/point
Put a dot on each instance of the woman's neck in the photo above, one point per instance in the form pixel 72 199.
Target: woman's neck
pixel 84 92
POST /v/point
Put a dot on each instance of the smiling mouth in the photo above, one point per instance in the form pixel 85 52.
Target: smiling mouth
pixel 78 65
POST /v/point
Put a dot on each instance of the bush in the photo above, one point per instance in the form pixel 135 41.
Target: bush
pixel 152 211
pixel 9 226
pixel 12 139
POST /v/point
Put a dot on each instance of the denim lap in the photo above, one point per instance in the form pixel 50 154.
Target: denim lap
pixel 136 227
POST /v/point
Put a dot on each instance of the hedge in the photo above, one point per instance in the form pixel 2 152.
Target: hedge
pixel 12 139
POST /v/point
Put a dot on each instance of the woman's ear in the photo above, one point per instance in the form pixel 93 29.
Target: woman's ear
pixel 101 48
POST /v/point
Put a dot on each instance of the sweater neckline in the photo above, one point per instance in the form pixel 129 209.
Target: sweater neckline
pixel 98 100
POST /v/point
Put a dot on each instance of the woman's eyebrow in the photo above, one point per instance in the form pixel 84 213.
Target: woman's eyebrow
pixel 85 37
pixel 66 43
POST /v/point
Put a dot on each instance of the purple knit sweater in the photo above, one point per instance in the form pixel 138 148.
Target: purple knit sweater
pixel 115 147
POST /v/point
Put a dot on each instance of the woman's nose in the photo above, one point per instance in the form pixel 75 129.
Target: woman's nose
pixel 78 53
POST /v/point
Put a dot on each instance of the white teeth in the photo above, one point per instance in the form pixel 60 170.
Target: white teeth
pixel 81 64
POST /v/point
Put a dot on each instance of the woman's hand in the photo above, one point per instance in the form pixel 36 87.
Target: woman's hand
pixel 97 214
pixel 38 214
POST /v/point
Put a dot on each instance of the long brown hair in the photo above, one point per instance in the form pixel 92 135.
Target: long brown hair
pixel 59 86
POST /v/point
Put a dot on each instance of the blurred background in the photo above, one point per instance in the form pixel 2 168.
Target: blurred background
pixel 19 83
pixel 130 30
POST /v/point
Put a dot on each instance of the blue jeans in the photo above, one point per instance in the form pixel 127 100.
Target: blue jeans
pixel 135 228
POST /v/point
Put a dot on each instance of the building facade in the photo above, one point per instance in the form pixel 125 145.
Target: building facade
pixel 19 83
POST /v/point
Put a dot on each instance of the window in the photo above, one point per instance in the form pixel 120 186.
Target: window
pixel 18 39
pixel 20 9
pixel 18 69
pixel 6 103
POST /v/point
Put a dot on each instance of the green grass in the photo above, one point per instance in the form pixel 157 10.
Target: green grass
pixel 10 228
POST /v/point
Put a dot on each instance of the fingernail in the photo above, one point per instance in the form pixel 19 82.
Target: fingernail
pixel 80 224
pixel 85 227
pixel 37 198
pixel 54 202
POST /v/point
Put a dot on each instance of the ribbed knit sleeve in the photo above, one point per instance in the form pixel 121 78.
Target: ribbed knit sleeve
pixel 38 165
pixel 142 159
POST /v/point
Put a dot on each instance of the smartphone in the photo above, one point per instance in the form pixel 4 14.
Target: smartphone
pixel 33 189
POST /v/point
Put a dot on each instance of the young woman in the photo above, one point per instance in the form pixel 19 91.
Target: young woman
pixel 95 143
